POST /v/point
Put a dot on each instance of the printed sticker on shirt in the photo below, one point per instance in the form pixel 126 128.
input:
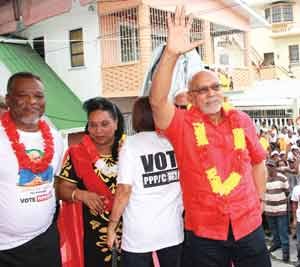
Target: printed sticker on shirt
pixel 35 187
pixel 28 178
pixel 34 195
pixel 160 169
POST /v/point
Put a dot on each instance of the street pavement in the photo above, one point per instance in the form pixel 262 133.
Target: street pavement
pixel 276 256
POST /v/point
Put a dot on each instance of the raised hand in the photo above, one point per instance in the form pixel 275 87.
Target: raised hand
pixel 178 41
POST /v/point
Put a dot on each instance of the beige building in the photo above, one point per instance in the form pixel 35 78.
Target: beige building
pixel 276 49
pixel 130 30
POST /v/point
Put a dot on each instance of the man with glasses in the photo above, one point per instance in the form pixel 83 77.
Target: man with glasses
pixel 220 159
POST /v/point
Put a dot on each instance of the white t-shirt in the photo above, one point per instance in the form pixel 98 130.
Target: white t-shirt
pixel 296 197
pixel 26 209
pixel 152 219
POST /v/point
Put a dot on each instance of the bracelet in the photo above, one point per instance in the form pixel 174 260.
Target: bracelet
pixel 113 221
pixel 115 227
pixel 73 195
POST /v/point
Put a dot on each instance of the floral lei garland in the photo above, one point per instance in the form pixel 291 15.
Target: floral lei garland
pixel 23 159
pixel 217 186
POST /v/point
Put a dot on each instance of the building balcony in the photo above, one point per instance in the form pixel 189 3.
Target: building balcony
pixel 284 29
pixel 281 27
pixel 273 72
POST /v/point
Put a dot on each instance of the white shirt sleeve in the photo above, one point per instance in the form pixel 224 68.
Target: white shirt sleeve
pixel 59 150
pixel 126 164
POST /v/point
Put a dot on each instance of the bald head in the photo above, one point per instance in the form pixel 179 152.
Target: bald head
pixel 205 92
pixel 202 76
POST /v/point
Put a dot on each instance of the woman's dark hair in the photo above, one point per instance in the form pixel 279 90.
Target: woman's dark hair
pixel 101 103
pixel 142 119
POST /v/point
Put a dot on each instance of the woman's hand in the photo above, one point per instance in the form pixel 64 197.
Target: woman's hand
pixel 92 200
pixel 112 238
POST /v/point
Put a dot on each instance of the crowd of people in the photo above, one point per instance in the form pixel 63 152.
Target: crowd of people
pixel 190 185
pixel 282 196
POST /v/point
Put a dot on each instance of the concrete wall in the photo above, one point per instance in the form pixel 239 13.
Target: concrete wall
pixel 4 76
pixel 266 41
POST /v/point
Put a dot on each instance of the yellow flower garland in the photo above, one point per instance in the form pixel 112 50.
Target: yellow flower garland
pixel 219 187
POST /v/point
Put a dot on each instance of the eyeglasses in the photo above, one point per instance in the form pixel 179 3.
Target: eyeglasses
pixel 203 90
pixel 181 106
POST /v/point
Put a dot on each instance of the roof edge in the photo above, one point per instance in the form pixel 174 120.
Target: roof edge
pixel 259 21
pixel 13 41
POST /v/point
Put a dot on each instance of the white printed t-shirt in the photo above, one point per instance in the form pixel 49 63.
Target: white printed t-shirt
pixel 26 210
pixel 296 197
pixel 152 219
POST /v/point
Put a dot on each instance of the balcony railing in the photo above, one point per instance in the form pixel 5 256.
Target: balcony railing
pixel 282 27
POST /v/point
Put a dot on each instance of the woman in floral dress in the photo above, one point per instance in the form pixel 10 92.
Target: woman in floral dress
pixel 86 185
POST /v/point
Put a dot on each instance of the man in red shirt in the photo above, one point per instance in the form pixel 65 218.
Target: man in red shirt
pixel 221 163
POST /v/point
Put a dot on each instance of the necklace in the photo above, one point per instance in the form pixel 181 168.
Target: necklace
pixel 23 159
pixel 232 181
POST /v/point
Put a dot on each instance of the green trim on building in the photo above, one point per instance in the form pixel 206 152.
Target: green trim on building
pixel 63 107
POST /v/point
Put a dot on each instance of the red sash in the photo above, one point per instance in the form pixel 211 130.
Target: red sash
pixel 83 156
pixel 70 222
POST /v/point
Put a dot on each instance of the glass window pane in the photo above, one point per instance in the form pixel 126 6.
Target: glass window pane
pixel 276 14
pixel 129 43
pixel 77 48
pixel 76 35
pixel 267 14
pixel 294 53
pixel 287 12
pixel 224 59
pixel 77 60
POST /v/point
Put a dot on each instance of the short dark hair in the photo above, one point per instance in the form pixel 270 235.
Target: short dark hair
pixel 101 103
pixel 2 103
pixel 142 119
pixel 3 106
pixel 20 75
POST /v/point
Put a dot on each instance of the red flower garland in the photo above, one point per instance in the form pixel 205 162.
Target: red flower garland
pixel 207 157
pixel 23 159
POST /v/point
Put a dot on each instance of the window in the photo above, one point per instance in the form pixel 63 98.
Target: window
pixel 158 39
pixel 158 24
pixel 201 51
pixel 119 37
pixel 39 46
pixel 279 13
pixel 224 59
pixel 276 14
pixel 294 54
pixel 129 43
pixel 268 59
pixel 76 48
pixel 287 12
pixel 268 14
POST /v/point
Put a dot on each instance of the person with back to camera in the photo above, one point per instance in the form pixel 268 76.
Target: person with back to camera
pixel 148 196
